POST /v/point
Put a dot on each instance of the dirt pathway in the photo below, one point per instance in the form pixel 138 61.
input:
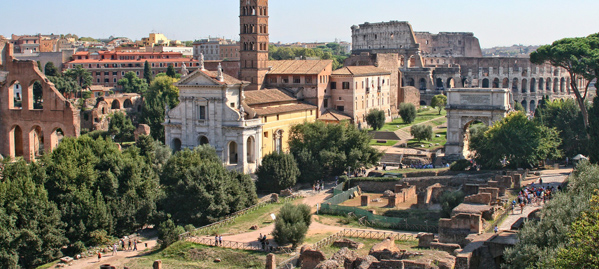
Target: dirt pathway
pixel 117 260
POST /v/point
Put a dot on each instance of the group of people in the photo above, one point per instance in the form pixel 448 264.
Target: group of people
pixel 318 186
pixel 131 245
pixel 262 239
pixel 533 195
pixel 218 240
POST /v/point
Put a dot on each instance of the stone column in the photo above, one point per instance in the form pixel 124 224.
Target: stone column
pixel 270 261
pixel 365 201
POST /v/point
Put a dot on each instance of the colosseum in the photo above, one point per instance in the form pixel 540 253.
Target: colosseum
pixel 436 62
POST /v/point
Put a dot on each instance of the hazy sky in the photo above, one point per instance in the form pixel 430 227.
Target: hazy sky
pixel 495 23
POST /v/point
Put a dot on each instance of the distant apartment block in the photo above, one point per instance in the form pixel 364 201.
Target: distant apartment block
pixel 215 49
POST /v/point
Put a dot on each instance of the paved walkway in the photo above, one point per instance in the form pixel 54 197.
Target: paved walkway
pixel 117 260
pixel 550 178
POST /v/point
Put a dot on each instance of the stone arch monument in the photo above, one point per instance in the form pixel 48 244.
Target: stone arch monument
pixel 465 106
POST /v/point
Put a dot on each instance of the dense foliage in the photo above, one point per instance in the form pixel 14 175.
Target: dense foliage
pixel 147 73
pixel 87 191
pixel 593 146
pixel 407 112
pixel 422 132
pixel 517 141
pixel 161 93
pixel 541 241
pixel 278 171
pixel 121 127
pixel 325 150
pixel 566 118
pixel 292 224
pixel 200 190
pixel 376 119
pixel 131 83
pixel 449 200
pixel 331 51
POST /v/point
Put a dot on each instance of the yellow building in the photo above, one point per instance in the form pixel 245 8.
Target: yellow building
pixel 278 112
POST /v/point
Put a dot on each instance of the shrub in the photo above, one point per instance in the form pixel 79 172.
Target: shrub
pixel 168 233
pixel 98 238
pixel 278 171
pixel 292 224
pixel 460 165
pixel 407 112
pixel 422 132
pixel 376 119
pixel 449 200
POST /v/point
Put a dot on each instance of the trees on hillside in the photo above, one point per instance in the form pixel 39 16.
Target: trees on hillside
pixel 407 112
pixel 439 101
pixel 147 73
pixel 518 141
pixel 200 190
pixel 277 172
pixel 170 71
pixel 51 70
pixel 121 128
pixel 376 119
pixel 324 150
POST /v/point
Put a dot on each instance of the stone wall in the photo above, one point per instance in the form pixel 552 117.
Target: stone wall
pixel 481 198
pixel 458 227
pixel 409 94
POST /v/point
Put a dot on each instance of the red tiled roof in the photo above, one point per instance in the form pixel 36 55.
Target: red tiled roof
pixel 283 109
pixel 108 61
pixel 289 67
pixel 367 70
pixel 266 96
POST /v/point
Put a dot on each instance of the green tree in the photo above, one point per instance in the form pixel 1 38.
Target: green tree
pixel 168 233
pixel 64 84
pixel 326 150
pixel 519 107
pixel 422 132
pixel 162 92
pixel 517 140
pixel 477 134
pixel 407 112
pixel 170 71
pixel 278 171
pixel 50 69
pixel 579 57
pixel 376 119
pixel 131 83
pixel 292 224
pixel 200 190
pixel 439 101
pixel 581 250
pixel 121 127
pixel 593 148
pixel 81 76
pixel 566 118
pixel 31 230
pixel 147 73
pixel 449 200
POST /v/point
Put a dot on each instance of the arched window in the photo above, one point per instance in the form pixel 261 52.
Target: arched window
pixel 36 93
pixel 485 83
pixel 16 143
pixel 176 144
pixel 116 104
pixel 233 152
pixel 422 84
pixel 203 140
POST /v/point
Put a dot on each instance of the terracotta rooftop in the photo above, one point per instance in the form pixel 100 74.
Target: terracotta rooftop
pixel 283 109
pixel 332 115
pixel 290 67
pixel 107 61
pixel 266 96
pixel 228 80
pixel 367 70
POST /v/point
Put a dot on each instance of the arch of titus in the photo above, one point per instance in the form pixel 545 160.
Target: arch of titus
pixel 465 106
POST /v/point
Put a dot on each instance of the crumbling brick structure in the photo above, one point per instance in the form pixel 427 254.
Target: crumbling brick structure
pixel 34 116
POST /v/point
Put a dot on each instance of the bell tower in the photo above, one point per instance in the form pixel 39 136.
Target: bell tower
pixel 253 42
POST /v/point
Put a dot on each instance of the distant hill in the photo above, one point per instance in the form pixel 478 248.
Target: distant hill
pixel 512 51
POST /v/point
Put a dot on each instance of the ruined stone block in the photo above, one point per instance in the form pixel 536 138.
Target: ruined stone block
pixel 392 201
pixel 365 200
pixel 447 247
pixel 493 191
pixel 517 179
pixel 425 239
pixel 270 261
pixel 309 259
pixel 481 198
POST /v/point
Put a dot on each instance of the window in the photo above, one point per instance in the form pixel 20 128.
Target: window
pixel 277 116
pixel 345 85
pixel 266 134
pixel 106 80
pixel 106 73
pixel 308 80
pixel 296 80
pixel 114 80
pixel 114 73
pixel 341 108
pixel 334 85
pixel 232 105
pixel 202 113
pixel 98 80
pixel 122 73
pixel 285 80
pixel 326 102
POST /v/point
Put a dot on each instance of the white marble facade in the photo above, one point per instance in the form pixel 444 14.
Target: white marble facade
pixel 211 112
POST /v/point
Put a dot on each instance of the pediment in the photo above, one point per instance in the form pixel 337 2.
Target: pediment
pixel 197 78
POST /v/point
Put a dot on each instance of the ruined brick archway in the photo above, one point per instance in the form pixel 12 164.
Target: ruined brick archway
pixel 466 106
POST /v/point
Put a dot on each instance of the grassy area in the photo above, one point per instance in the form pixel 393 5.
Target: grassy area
pixel 422 116
pixel 413 143
pixel 387 143
pixel 190 255
pixel 259 217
